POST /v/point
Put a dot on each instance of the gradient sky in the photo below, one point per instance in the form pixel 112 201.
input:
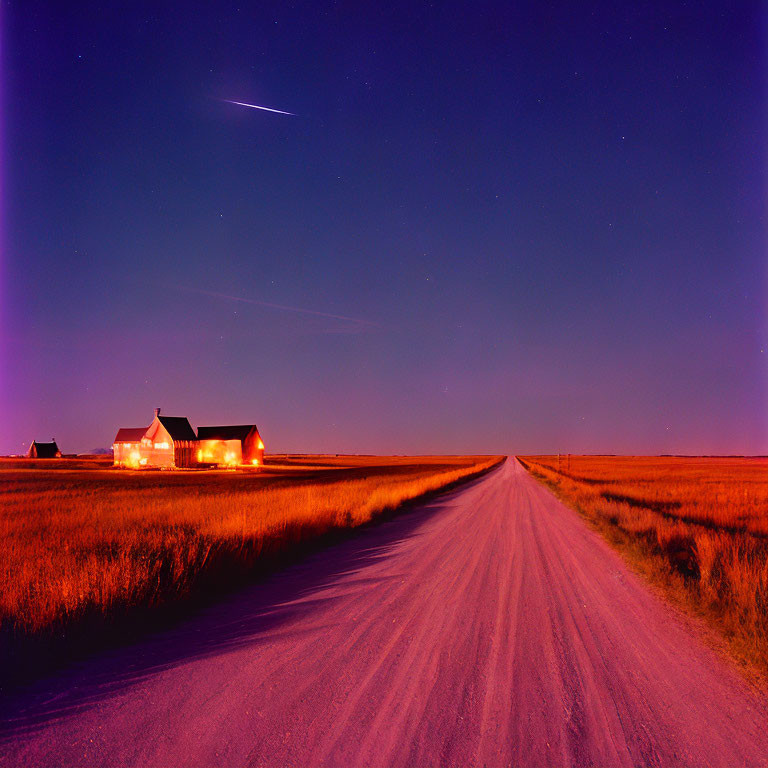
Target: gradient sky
pixel 519 227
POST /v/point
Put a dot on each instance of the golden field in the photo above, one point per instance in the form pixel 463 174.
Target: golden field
pixel 87 541
pixel 697 527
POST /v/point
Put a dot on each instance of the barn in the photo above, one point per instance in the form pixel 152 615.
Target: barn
pixel 44 450
pixel 169 441
pixel 240 444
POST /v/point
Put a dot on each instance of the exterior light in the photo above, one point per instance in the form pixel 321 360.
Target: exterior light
pixel 255 462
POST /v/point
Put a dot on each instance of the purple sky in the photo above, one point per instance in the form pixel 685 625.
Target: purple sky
pixel 519 227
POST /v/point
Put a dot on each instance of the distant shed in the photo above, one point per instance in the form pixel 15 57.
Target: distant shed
pixel 237 444
pixel 44 450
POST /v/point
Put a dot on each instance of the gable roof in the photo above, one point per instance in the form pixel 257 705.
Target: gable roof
pixel 44 450
pixel 178 427
pixel 129 434
pixel 238 432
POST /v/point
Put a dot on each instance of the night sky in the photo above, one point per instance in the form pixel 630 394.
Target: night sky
pixel 507 228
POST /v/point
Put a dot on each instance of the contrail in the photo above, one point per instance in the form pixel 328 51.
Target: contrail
pixel 256 106
pixel 283 307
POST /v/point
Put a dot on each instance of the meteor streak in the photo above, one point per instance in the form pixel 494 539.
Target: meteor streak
pixel 256 106
pixel 283 307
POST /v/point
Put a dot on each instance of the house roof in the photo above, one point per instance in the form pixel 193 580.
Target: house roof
pixel 45 450
pixel 130 434
pixel 178 427
pixel 238 432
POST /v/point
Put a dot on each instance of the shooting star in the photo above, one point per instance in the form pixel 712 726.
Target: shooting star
pixel 256 106
pixel 284 307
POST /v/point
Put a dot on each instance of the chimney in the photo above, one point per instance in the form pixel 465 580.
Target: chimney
pixel 157 412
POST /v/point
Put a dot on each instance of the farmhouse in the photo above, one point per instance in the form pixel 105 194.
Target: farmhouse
pixel 170 441
pixel 44 450
pixel 240 444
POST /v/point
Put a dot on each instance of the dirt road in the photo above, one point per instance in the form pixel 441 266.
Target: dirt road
pixel 488 628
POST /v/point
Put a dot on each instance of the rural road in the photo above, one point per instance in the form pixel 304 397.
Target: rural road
pixel 489 627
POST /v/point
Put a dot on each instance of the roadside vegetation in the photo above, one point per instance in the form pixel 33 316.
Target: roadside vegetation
pixel 91 543
pixel 697 527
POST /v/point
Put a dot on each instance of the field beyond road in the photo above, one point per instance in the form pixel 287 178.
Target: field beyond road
pixel 487 627
pixel 78 542
pixel 696 527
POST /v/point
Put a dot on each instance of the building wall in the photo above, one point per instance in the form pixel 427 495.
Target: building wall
pixel 253 450
pixel 144 454
pixel 126 454
pixel 157 446
pixel 185 453
pixel 158 453
pixel 226 452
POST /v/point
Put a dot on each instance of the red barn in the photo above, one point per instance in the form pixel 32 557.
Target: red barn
pixel 232 445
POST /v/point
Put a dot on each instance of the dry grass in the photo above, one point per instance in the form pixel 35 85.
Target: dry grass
pixel 698 527
pixel 84 542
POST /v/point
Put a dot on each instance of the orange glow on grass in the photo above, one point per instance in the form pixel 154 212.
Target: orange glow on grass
pixel 53 581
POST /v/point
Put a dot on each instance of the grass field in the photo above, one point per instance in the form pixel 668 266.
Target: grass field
pixel 78 538
pixel 697 527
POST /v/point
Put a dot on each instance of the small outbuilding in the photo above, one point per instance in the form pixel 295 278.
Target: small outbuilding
pixel 231 445
pixel 125 448
pixel 44 450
